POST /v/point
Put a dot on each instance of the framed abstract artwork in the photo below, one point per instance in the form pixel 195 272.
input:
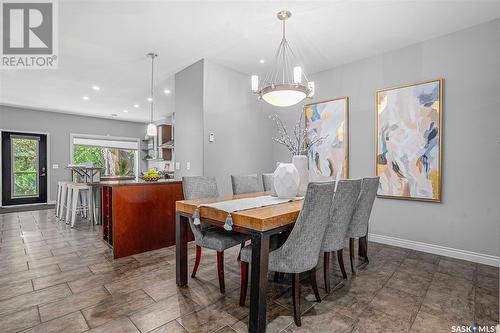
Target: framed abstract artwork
pixel 329 120
pixel 409 136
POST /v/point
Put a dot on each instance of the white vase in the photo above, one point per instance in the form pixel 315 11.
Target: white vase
pixel 286 180
pixel 300 162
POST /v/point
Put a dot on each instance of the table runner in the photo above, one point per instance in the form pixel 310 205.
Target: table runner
pixel 231 206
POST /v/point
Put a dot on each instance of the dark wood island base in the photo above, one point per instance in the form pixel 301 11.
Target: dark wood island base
pixel 139 216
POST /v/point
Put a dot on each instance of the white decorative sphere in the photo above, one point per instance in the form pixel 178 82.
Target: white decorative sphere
pixel 286 180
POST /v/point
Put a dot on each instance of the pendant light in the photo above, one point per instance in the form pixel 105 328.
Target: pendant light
pixel 283 85
pixel 152 130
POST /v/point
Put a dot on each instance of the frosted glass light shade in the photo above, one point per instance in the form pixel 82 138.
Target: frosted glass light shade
pixel 284 97
pixel 297 74
pixel 255 82
pixel 151 130
pixel 312 88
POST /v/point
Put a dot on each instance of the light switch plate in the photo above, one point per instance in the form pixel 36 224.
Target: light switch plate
pixel 177 165
pixel 55 166
pixel 188 165
pixel 211 137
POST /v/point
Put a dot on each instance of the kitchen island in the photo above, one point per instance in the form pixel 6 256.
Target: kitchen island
pixel 139 216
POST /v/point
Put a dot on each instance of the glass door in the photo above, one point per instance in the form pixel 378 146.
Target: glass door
pixel 24 168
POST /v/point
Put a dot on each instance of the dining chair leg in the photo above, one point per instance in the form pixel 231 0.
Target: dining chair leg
pixel 244 282
pixel 241 248
pixel 340 258
pixel 197 261
pixel 296 298
pixel 351 253
pixel 220 271
pixel 363 247
pixel 326 271
pixel 314 284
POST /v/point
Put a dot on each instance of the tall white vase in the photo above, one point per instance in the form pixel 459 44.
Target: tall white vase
pixel 300 162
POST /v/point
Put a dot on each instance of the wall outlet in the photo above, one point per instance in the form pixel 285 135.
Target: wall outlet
pixel 188 165
pixel 211 137
pixel 177 165
pixel 55 166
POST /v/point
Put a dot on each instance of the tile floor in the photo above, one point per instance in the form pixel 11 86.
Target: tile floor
pixel 57 279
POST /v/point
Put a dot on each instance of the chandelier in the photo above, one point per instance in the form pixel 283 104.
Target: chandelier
pixel 151 130
pixel 283 85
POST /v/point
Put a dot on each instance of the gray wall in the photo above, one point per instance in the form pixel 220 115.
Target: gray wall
pixel 242 131
pixel 469 61
pixel 188 133
pixel 59 126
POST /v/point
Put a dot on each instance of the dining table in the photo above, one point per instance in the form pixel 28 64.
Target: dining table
pixel 260 223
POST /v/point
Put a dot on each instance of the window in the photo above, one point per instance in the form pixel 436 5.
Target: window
pixel 116 157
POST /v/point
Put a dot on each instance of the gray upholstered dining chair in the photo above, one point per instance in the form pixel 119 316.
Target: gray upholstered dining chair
pixel 205 236
pixel 358 227
pixel 267 181
pixel 246 184
pixel 341 212
pixel 301 250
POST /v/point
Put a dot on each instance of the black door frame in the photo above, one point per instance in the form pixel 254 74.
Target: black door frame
pixel 44 186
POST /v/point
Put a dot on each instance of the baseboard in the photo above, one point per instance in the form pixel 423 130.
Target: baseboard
pixel 437 249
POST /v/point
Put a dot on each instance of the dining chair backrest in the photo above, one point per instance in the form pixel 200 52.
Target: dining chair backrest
pixel 359 221
pixel 246 184
pixel 199 187
pixel 267 181
pixel 341 211
pixel 300 251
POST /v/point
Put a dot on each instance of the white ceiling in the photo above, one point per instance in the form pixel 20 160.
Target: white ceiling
pixel 105 43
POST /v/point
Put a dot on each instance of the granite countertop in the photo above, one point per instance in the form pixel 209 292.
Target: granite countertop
pixel 136 181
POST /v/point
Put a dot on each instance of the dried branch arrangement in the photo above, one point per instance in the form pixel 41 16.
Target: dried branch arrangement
pixel 297 144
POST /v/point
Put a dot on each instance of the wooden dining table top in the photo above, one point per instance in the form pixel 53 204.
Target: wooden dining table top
pixel 258 219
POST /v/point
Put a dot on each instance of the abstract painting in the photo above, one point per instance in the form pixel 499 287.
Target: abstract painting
pixel 329 159
pixel 409 131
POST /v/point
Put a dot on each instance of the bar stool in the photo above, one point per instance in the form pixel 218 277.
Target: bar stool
pixel 73 204
pixel 62 187
pixel 64 201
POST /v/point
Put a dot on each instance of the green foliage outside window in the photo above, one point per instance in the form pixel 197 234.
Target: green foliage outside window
pixel 25 163
pixel 114 161
pixel 84 154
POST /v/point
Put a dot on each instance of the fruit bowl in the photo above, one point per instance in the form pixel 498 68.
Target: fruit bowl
pixel 151 178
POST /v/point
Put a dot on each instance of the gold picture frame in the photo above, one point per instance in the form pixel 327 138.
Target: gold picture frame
pixel 315 152
pixel 411 188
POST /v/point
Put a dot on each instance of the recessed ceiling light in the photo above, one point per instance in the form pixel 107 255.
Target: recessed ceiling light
pixel 114 115
pixel 96 88
pixel 125 111
pixel 262 61
pixel 85 98
pixel 136 105
pixel 166 91
pixel 150 99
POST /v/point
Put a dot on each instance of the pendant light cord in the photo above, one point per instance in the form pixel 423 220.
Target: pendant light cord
pixel 152 75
